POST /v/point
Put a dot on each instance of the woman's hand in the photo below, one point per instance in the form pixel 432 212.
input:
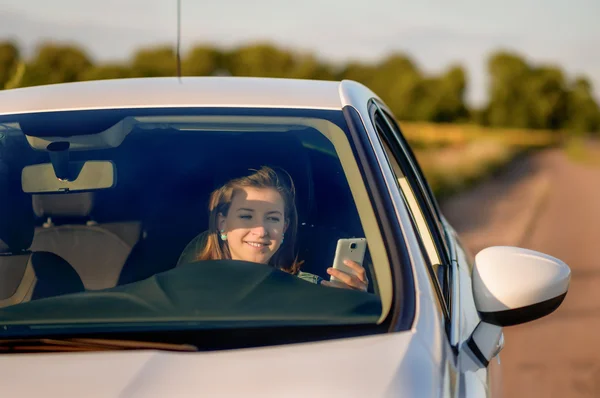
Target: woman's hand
pixel 357 281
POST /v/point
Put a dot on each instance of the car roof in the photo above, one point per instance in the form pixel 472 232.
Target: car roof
pixel 213 91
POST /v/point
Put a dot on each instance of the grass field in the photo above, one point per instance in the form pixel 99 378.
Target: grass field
pixel 455 157
pixel 584 151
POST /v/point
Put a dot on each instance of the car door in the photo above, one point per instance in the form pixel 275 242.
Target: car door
pixel 463 263
pixel 449 265
pixel 434 258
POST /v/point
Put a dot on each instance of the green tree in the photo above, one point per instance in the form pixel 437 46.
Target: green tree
pixel 54 63
pixel 547 96
pixel 260 60
pixel 202 61
pixel 507 107
pixel 307 66
pixel 410 95
pixel 398 82
pixel 266 60
pixel 107 71
pixel 454 86
pixel 520 94
pixel 536 97
pixel 17 77
pixel 9 59
pixel 357 71
pixel 442 98
pixel 392 73
pixel 583 113
pixel 154 62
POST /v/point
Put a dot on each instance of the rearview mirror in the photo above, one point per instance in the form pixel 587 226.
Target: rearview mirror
pixel 84 176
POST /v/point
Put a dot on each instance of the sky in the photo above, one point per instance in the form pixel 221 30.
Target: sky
pixel 434 33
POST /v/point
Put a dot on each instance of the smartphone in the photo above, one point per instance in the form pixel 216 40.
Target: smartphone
pixel 349 249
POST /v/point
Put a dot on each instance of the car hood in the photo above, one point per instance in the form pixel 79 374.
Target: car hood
pixel 381 365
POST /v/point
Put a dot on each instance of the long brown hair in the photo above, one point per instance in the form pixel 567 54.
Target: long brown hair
pixel 220 201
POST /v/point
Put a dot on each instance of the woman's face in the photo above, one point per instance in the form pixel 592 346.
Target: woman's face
pixel 254 224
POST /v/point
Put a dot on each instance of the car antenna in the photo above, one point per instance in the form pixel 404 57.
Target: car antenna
pixel 178 39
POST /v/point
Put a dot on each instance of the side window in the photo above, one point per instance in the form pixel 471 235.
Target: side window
pixel 413 205
pixel 423 187
pixel 418 205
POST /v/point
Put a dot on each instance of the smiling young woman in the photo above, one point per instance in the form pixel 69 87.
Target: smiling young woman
pixel 254 218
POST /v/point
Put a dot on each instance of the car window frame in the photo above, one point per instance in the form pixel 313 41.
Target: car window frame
pixel 339 121
pixel 434 212
pixel 377 176
pixel 441 235
pixel 442 289
pixel 451 281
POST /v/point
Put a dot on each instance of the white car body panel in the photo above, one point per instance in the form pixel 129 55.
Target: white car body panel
pixel 238 92
pixel 387 365
pixel 502 283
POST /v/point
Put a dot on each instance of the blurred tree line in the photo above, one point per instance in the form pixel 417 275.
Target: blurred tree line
pixel 520 94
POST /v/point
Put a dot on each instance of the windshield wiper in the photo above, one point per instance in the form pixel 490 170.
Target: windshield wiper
pixel 75 344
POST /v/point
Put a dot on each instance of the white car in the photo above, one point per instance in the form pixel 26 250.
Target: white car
pixel 104 184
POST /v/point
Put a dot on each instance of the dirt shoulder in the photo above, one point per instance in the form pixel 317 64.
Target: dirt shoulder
pixel 548 203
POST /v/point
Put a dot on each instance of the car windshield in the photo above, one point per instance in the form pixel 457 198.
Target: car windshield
pixel 121 218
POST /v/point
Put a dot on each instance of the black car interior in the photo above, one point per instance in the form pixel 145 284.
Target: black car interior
pixel 51 244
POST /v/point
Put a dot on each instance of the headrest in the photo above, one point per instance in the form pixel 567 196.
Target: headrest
pixel 16 221
pixel 63 205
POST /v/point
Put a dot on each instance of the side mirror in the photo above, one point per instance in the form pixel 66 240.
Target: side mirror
pixel 513 286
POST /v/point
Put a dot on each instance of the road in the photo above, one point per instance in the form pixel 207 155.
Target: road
pixel 546 203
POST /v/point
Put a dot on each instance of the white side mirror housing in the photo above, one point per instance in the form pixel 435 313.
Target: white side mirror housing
pixel 513 286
